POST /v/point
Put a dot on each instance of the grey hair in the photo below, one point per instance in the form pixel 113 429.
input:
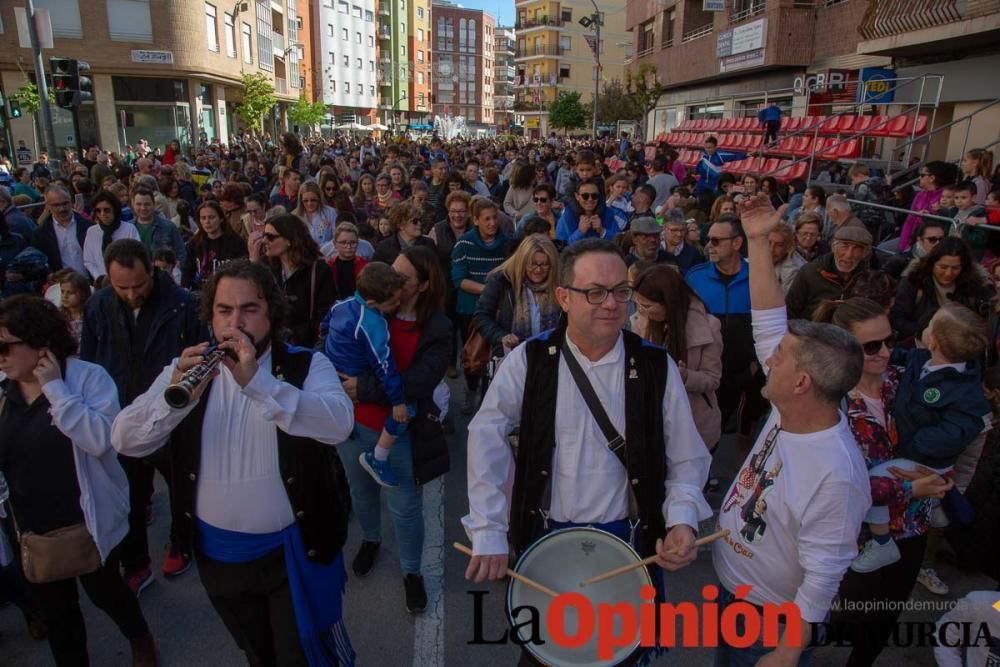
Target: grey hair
pixel 58 188
pixel 831 356
pixel 838 202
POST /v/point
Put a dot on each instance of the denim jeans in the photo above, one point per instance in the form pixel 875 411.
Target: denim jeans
pixel 406 501
pixel 727 656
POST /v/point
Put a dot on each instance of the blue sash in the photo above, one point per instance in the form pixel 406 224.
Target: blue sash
pixel 317 590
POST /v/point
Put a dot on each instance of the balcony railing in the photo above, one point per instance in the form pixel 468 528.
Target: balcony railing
pixel 384 9
pixel 756 8
pixel 885 18
pixel 644 50
pixel 278 41
pixel 385 33
pixel 697 33
pixel 281 86
pixel 527 51
pixel 540 21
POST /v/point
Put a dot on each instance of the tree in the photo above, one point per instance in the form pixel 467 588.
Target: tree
pixel 307 113
pixel 258 98
pixel 567 113
pixel 615 104
pixel 643 85
pixel 29 99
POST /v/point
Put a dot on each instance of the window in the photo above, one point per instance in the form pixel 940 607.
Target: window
pixel 328 3
pixel 564 44
pixel 65 16
pixel 347 86
pixel 371 65
pixel 461 34
pixel 420 99
pixel 420 12
pixel 355 11
pixel 357 37
pixel 361 64
pixel 420 77
pixel 211 27
pixel 333 58
pixel 347 61
pixel 369 16
pixel 342 7
pixel 371 90
pixel 646 37
pixel 420 34
pixel 345 34
pixel 567 16
pixel 402 50
pixel 128 21
pixel 230 36
pixel 265 47
pixel 333 86
pixel 371 41
pixel 329 30
pixel 420 56
pixel 564 71
pixel 247 43
pixel 667 39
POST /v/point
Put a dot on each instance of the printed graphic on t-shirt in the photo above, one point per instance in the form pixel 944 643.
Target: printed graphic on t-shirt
pixel 749 494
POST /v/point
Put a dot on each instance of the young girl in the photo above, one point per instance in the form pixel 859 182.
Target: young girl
pixel 939 411
pixel 75 290
pixel 976 167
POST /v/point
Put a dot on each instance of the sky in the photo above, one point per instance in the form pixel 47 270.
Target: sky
pixel 502 10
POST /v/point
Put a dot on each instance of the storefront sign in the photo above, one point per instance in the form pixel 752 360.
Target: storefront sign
pixel 831 80
pixel 878 85
pixel 713 5
pixel 741 39
pixel 742 61
pixel 153 57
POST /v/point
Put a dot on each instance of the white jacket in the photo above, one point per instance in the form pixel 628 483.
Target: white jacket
pixel 84 405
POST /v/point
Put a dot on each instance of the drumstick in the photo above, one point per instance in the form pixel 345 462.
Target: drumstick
pixel 512 574
pixel 650 560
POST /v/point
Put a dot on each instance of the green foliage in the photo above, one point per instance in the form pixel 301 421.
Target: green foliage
pixel 615 104
pixel 307 113
pixel 258 98
pixel 567 113
pixel 645 88
pixel 29 99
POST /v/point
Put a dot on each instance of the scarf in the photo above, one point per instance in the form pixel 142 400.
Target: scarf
pixel 317 590
pixel 942 293
pixel 109 231
pixel 548 312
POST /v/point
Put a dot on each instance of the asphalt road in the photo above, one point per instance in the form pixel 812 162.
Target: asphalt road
pixel 188 633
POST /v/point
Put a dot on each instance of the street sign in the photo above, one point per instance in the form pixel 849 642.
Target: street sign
pixel 713 5
pixel 592 43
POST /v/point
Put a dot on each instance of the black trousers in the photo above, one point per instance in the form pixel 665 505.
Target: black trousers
pixel 254 601
pixel 140 473
pixel 771 128
pixel 869 630
pixel 59 604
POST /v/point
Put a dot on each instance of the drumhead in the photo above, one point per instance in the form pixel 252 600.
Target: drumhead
pixel 561 560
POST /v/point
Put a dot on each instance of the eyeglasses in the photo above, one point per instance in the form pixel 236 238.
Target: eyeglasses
pixel 540 200
pixel 933 239
pixel 716 240
pixel 415 221
pixel 924 173
pixel 103 209
pixel 598 295
pixel 271 237
pixel 535 265
pixel 310 200
pixel 5 346
pixel 873 347
pixel 347 244
pixel 587 195
pixel 807 235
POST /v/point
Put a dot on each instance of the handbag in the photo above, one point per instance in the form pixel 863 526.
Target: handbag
pixel 475 353
pixel 63 553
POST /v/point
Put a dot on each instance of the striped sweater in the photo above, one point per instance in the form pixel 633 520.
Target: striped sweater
pixel 473 259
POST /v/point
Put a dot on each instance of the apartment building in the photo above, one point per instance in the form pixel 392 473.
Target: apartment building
pixel 815 56
pixel 393 61
pixel 173 67
pixel 344 58
pixel 504 46
pixel 464 65
pixel 553 53
pixel 419 117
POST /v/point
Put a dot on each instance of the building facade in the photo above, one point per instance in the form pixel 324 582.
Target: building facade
pixel 344 58
pixel 170 70
pixel 421 67
pixel 504 72
pixel 464 65
pixel 554 53
pixel 393 63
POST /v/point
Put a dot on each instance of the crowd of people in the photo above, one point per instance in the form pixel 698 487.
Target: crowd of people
pixel 313 300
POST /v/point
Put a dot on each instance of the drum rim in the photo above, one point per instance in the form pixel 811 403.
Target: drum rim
pixel 529 647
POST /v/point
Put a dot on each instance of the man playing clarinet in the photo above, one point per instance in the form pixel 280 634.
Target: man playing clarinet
pixel 255 476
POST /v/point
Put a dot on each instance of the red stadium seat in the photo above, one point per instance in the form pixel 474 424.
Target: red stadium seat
pixel 862 124
pixel 728 124
pixel 845 124
pixel 896 127
pixel 770 166
pixel 829 125
pixel 785 146
pixel 915 125
pixel 810 122
pixel 793 124
pixel 849 150
pixel 825 149
pixel 802 146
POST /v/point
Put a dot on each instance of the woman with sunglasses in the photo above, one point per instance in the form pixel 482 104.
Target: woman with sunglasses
pixel 406 222
pixel 932 179
pixel 319 218
pixel 303 275
pixel 929 234
pixel 869 409
pixel 56 455
pixel 107 211
pixel 329 186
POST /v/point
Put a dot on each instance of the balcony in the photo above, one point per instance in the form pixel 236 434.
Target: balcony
pixel 529 51
pixel 385 33
pixel 697 33
pixel 280 86
pixel 278 42
pixel 754 8
pixel 384 9
pixel 900 28
pixel 542 21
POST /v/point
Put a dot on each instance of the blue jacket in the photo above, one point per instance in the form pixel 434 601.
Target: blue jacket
pixel 568 226
pixel 769 113
pixel 938 416
pixel 357 343
pixel 708 169
pixel 689 258
pixel 106 340
pixel 20 223
pixel 730 302
pixel 167 235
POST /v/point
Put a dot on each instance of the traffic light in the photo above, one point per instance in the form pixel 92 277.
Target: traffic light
pixel 69 87
pixel 15 108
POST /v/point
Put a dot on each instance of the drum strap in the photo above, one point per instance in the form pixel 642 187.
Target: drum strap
pixel 616 443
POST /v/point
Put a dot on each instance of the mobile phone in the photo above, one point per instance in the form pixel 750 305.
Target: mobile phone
pixel 78 200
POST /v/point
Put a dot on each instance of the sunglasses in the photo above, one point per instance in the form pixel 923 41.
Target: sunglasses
pixel 103 209
pixel 540 200
pixel 5 346
pixel 716 240
pixel 271 237
pixel 587 195
pixel 933 239
pixel 873 347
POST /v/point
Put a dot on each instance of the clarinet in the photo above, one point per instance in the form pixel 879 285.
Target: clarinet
pixel 178 395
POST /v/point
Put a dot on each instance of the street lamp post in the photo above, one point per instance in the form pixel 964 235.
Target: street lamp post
pixel 595 21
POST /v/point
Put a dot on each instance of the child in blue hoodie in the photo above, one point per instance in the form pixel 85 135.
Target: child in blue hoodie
pixel 939 410
pixel 357 341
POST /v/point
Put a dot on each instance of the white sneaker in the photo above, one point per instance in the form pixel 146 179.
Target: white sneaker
pixel 929 579
pixel 875 556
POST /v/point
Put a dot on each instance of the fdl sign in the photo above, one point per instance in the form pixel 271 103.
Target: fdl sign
pixel 832 80
pixel 878 85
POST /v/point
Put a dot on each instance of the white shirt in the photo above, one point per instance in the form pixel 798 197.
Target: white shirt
pixel 93 255
pixel 928 368
pixel 589 483
pixel 70 252
pixel 239 482
pixel 794 520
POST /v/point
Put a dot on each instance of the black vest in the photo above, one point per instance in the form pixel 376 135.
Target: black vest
pixel 645 460
pixel 311 471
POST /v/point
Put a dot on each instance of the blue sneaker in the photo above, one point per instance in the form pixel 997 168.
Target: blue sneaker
pixel 379 470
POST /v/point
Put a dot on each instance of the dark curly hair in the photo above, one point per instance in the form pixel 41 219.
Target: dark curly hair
pixel 39 323
pixel 261 276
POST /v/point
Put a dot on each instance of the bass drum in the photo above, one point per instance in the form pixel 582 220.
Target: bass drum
pixel 561 560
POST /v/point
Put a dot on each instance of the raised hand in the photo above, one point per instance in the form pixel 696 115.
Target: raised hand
pixel 759 217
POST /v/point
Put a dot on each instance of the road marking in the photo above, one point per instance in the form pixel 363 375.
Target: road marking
pixel 428 630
